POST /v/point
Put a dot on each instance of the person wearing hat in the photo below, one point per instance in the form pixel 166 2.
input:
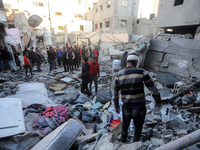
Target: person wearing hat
pixel 130 81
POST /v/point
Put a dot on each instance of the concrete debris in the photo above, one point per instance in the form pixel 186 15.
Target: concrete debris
pixel 133 146
pixel 194 109
pixel 12 120
pixel 67 80
pixel 177 124
pixel 167 79
pixel 104 143
pixel 58 89
pixel 156 142
pixel 165 93
pixel 59 92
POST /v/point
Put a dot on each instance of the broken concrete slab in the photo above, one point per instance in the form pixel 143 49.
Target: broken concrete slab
pixel 12 119
pixel 158 45
pixel 165 93
pixel 178 65
pixel 59 93
pixel 132 146
pixel 182 132
pixel 177 124
pixel 156 142
pixel 58 139
pixel 164 112
pixel 33 97
pixel 185 43
pixel 167 79
pixel 104 143
pixel 27 87
pixel 194 109
pixel 67 80
pixel 153 58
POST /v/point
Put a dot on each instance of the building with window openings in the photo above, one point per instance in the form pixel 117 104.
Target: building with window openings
pixel 114 15
pixel 179 16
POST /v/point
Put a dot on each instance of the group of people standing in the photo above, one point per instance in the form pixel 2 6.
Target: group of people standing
pixel 71 57
pixel 32 58
pixel 7 58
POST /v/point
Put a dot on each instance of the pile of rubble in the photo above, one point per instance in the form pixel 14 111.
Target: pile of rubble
pixel 90 123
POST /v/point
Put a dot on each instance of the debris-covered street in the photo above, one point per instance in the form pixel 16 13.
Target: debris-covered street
pixel 79 88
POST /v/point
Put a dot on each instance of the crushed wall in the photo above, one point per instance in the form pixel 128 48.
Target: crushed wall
pixel 177 56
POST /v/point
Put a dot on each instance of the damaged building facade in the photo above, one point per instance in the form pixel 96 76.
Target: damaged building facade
pixel 114 15
pixel 178 50
pixel 179 17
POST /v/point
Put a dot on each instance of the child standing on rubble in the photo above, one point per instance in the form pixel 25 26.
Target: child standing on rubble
pixel 27 64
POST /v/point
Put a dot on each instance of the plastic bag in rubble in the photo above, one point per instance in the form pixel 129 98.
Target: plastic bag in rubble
pixel 82 99
pixel 91 116
pixel 104 97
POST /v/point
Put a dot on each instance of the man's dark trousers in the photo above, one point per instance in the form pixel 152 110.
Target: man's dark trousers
pixel 93 77
pixel 138 116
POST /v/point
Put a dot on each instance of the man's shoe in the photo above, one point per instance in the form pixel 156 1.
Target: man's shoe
pixel 122 140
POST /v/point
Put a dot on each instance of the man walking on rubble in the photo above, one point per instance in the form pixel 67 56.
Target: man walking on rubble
pixel 130 81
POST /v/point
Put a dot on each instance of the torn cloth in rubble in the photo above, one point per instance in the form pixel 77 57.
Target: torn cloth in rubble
pixel 60 112
pixel 41 124
pixel 58 115
pixel 35 108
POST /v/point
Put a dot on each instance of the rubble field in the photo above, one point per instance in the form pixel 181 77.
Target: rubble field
pixel 52 106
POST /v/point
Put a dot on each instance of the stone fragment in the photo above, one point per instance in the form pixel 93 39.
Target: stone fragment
pixel 59 93
pixel 177 124
pixel 182 132
pixel 104 143
pixel 167 79
pixel 132 146
pixel 156 142
pixel 165 94
pixel 67 80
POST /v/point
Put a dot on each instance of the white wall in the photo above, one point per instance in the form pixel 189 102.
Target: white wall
pixel 186 14
pixel 75 26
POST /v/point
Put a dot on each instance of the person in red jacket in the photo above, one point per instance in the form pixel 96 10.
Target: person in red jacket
pixel 27 64
pixel 94 73
pixel 96 52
